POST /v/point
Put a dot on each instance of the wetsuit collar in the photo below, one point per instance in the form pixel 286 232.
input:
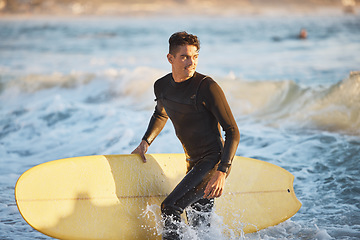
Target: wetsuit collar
pixel 181 84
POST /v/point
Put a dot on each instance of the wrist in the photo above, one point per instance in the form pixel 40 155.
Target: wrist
pixel 144 141
pixel 223 168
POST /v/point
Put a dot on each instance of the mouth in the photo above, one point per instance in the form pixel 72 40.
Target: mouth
pixel 190 68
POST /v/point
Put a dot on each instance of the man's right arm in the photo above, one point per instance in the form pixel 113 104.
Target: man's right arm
pixel 156 124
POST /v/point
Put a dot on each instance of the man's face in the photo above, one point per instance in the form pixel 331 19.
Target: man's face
pixel 184 62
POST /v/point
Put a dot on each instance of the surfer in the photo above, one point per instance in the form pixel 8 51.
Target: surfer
pixel 302 34
pixel 197 107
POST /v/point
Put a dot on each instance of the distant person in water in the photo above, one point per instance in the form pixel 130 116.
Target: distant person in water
pixel 303 33
pixel 197 107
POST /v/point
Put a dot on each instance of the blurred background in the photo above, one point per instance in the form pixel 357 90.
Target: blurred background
pixel 101 7
pixel 76 78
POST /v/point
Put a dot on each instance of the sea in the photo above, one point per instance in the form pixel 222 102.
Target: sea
pixel 77 86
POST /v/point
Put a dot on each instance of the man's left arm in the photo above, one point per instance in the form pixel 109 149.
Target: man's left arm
pixel 216 102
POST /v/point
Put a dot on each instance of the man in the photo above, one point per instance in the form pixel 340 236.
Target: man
pixel 196 106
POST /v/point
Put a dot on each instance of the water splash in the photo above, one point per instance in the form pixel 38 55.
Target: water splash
pixel 153 212
pixel 217 231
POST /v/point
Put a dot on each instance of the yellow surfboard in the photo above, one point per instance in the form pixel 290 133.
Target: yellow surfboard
pixel 105 197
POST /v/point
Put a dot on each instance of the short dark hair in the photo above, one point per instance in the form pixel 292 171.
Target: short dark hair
pixel 180 39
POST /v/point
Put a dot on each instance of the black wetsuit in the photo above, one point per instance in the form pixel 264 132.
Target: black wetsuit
pixel 196 108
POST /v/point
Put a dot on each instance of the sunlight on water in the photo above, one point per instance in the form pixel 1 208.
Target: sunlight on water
pixel 76 87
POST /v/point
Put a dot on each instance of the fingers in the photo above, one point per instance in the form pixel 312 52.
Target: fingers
pixel 216 193
pixel 208 190
pixel 141 150
pixel 142 155
pixel 215 186
pixel 212 191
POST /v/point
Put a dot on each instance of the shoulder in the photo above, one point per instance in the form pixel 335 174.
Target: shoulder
pixel 210 92
pixel 209 86
pixel 162 80
pixel 203 82
pixel 162 83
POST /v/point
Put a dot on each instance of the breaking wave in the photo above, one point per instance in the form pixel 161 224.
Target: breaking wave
pixel 285 103
pixel 332 108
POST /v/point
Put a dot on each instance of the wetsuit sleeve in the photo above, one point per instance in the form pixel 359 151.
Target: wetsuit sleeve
pixel 216 103
pixel 156 124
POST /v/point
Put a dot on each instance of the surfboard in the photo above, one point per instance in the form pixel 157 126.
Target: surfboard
pixel 108 196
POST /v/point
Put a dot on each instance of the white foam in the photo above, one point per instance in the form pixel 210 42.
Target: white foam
pixel 285 103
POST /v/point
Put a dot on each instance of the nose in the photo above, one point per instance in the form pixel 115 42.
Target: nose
pixel 192 60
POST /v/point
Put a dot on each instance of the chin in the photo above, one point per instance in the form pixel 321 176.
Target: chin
pixel 191 73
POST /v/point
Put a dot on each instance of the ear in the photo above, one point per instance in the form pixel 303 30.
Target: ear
pixel 170 58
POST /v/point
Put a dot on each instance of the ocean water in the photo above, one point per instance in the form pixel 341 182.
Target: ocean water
pixel 83 86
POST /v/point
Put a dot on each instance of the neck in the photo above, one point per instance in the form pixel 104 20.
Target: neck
pixel 179 79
